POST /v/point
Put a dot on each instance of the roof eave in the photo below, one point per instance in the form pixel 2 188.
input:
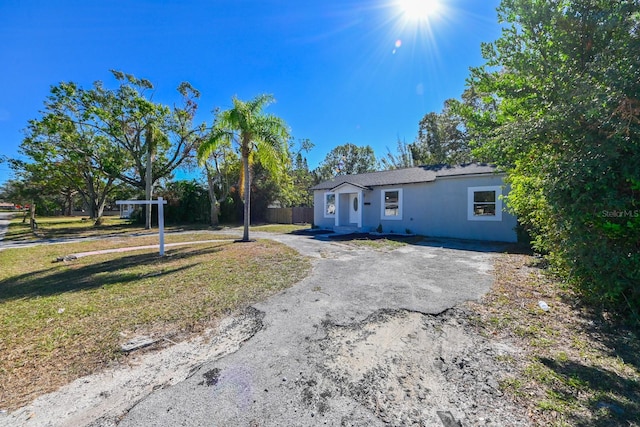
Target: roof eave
pixel 362 187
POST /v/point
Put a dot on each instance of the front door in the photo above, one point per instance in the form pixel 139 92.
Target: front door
pixel 354 206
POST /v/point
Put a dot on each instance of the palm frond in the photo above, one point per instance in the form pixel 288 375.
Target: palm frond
pixel 218 137
pixel 270 142
pixel 257 104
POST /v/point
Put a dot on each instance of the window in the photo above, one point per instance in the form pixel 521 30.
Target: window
pixel 329 205
pixel 391 204
pixel 484 204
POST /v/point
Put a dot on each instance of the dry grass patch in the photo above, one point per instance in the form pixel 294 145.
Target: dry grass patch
pixel 60 321
pixel 379 242
pixel 576 368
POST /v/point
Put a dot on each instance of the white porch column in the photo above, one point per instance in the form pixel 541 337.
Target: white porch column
pixel 360 205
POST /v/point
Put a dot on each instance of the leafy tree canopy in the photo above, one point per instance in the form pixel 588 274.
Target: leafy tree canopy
pixel 346 159
pixel 92 139
pixel 558 105
pixel 403 158
pixel 294 190
pixel 442 138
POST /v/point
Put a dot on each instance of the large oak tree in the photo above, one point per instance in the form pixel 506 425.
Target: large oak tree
pixel 67 152
pixel 98 137
pixel 155 139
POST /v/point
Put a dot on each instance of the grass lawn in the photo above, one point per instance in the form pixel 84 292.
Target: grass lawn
pixel 576 368
pixel 76 227
pixel 280 228
pixel 62 320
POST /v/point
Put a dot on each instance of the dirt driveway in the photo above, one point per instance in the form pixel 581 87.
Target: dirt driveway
pixel 371 338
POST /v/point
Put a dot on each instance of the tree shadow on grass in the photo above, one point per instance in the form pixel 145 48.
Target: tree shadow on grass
pixel 617 400
pixel 617 334
pixel 74 232
pixel 49 282
pixel 621 338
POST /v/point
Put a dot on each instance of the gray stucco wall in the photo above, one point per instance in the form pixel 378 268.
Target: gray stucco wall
pixel 318 211
pixel 438 209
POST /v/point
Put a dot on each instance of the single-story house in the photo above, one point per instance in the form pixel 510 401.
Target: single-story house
pixel 126 210
pixel 464 202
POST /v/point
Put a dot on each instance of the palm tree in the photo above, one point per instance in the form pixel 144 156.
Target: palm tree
pixel 260 136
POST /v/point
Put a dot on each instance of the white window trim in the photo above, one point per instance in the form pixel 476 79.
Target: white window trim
pixel 335 198
pixel 470 213
pixel 382 206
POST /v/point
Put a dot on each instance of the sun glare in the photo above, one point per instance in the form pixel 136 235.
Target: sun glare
pixel 420 10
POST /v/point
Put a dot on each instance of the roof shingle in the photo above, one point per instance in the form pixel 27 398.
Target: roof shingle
pixel 406 176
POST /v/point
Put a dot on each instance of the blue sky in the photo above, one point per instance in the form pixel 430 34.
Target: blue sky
pixel 342 71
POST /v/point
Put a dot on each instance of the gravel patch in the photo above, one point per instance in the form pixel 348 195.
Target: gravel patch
pixel 412 369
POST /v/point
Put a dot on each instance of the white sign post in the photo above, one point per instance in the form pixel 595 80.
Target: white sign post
pixel 160 204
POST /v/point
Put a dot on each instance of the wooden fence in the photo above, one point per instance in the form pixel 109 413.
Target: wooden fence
pixel 289 215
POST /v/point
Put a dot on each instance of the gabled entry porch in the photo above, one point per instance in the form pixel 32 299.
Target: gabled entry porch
pixel 348 208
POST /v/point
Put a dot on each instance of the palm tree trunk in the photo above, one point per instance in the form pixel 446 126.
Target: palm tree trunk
pixel 247 198
pixel 211 180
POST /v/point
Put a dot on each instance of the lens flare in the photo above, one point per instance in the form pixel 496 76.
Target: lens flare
pixel 420 10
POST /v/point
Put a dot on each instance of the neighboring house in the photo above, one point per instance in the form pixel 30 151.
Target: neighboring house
pixel 441 201
pixel 126 210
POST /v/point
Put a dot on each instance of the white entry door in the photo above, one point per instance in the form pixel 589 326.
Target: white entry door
pixel 354 206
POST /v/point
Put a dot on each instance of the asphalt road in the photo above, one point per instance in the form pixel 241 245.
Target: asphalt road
pixel 267 381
